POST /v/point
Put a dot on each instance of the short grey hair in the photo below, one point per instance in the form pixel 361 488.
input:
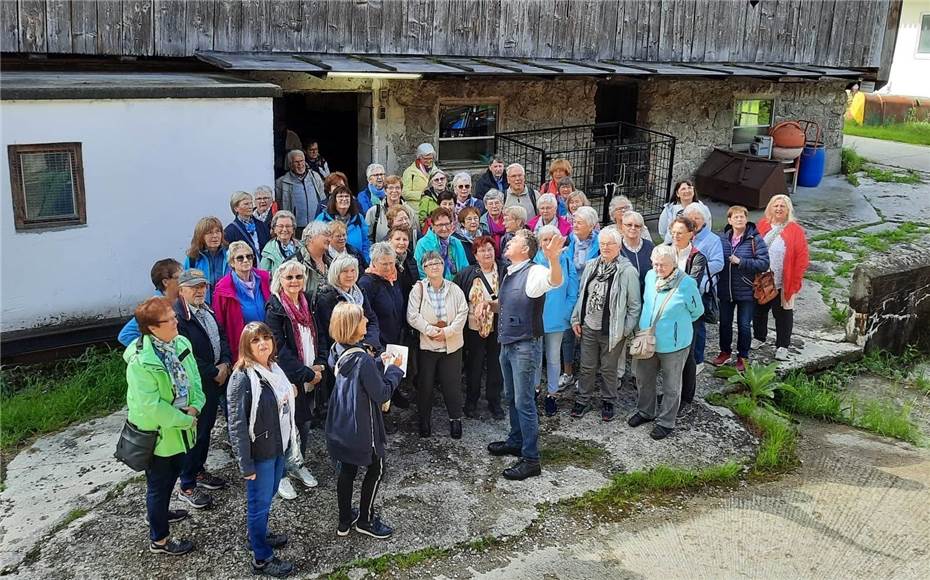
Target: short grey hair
pixel 617 201
pixel 237 247
pixel 517 212
pixel 587 214
pixel 636 216
pixel 314 229
pixel 282 270
pixel 381 250
pixel 430 255
pixel 611 233
pixel 547 230
pixel 264 189
pixel 461 177
pixel 515 166
pixel 372 169
pixel 665 251
pixel 546 198
pixel 283 214
pixel 237 198
pixel 696 209
pixel 292 154
pixel 493 194
pixel 339 265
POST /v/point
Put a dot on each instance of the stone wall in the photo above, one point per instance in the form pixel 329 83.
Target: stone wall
pixel 699 113
pixel 890 299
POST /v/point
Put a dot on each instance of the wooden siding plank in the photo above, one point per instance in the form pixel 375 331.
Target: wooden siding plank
pixel 684 32
pixel 445 27
pixel 314 16
pixel 199 24
pixel 9 27
pixel 628 27
pixel 598 36
pixel 364 22
pixel 284 24
pixel 872 56
pixel 889 38
pixel 666 24
pixel 227 21
pixel 32 26
pixel 138 36
pixel 655 29
pixel 700 28
pixel 487 40
pixel 418 19
pixel 83 27
pixel 255 34
pixel 392 33
pixel 852 34
pixel 746 51
pixel 58 26
pixel 824 32
pixel 830 56
pixel 109 26
pixel 170 28
pixel 518 19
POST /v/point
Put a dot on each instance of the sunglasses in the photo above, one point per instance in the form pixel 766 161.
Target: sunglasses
pixel 244 257
pixel 294 277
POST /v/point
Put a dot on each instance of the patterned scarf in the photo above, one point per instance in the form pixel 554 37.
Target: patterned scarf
pixel 597 291
pixel 663 284
pixel 444 252
pixel 179 379
pixel 299 315
pixel 288 251
pixel 481 307
pixel 353 296
pixel 248 225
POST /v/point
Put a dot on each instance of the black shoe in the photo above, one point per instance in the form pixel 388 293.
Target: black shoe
pixel 455 428
pixel 636 420
pixel 343 529
pixel 496 411
pixel 390 427
pixel 426 429
pixel 471 410
pixel 276 541
pixel 399 400
pixel 660 432
pixel 197 498
pixel 499 448
pixel 375 528
pixel 521 470
pixel 210 481
pixel 579 409
pixel 607 411
pixel 174 516
pixel 272 567
pixel 551 406
pixel 684 409
pixel 172 547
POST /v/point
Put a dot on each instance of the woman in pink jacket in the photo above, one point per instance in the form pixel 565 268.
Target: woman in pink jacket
pixel 240 296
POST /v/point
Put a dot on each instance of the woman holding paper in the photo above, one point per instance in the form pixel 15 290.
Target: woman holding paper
pixel 438 310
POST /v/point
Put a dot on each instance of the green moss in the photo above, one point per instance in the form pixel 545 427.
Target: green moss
pixel 555 450
pixel 836 244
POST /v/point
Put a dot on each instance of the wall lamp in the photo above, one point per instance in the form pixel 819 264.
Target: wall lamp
pixel 376 75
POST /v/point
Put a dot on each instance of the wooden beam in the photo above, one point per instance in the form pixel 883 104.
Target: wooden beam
pixel 373 62
pixel 889 40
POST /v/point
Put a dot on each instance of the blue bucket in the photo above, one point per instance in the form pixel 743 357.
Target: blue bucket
pixel 813 162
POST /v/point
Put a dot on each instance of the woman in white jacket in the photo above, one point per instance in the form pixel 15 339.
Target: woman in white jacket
pixel 683 196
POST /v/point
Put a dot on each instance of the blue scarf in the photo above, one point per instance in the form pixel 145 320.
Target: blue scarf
pixel 445 253
pixel 249 225
pixel 252 301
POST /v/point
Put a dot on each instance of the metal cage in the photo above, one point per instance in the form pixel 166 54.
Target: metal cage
pixel 608 159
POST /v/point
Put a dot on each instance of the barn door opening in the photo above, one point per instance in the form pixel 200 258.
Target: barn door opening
pixel 331 120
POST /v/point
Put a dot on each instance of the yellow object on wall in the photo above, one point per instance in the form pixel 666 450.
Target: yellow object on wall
pixel 855 109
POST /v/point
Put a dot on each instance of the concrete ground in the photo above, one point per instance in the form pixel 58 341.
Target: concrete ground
pixel 905 155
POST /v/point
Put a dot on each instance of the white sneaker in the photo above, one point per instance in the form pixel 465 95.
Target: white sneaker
pixel 781 353
pixel 305 477
pixel 566 380
pixel 757 344
pixel 698 368
pixel 286 490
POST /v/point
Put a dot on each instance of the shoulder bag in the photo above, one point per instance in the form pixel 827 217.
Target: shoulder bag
pixel 135 447
pixel 763 285
pixel 644 341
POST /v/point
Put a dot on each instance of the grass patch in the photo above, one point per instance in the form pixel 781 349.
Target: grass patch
pixel 877 242
pixel 845 232
pixel 851 162
pixel 922 384
pixel 839 314
pixel 823 256
pixel 779 437
pixel 388 562
pixel 890 366
pixel 38 401
pixel 892 176
pixel 482 544
pixel 557 451
pixel 811 397
pixel 884 418
pixel 844 269
pixel 74 390
pixel 916 133
pixel 626 488
pixel 825 280
pixel 837 245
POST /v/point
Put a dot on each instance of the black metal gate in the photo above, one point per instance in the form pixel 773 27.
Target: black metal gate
pixel 608 159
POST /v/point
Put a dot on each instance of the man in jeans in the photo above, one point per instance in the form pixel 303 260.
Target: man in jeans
pixel 520 326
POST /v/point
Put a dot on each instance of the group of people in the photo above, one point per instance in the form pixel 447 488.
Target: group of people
pixel 286 319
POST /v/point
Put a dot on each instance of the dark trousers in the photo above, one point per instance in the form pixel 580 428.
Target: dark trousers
pixel 483 352
pixel 370 485
pixel 784 322
pixel 744 310
pixel 197 456
pixel 160 478
pixel 689 373
pixel 447 370
pixel 258 494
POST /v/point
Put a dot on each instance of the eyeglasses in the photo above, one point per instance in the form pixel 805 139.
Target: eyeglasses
pixel 244 257
pixel 463 186
pixel 443 225
pixel 284 227
pixel 172 319
pixel 377 175
pixel 634 226
pixel 432 265
pixel 294 277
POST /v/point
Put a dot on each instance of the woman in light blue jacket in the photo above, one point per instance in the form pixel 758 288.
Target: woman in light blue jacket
pixel 671 304
pixel 557 314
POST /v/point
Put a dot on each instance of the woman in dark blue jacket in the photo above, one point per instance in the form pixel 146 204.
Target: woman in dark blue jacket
pixel 744 256
pixel 244 228
pixel 354 424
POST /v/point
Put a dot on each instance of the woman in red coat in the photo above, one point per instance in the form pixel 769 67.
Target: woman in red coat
pixel 788 260
pixel 240 296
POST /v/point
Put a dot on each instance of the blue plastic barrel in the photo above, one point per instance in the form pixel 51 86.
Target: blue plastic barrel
pixel 813 161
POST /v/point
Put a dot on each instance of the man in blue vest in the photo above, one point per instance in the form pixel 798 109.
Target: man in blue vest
pixel 520 326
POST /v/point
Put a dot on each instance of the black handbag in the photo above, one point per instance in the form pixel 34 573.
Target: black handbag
pixel 711 306
pixel 136 447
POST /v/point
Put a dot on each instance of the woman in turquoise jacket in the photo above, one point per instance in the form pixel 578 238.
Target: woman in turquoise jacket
pixel 671 303
pixel 557 314
pixel 207 252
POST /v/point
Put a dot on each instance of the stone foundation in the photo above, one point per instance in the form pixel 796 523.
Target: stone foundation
pixel 699 113
pixel 890 299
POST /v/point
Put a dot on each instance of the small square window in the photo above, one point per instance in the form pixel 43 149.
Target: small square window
pixel 466 133
pixel 751 117
pixel 923 41
pixel 47 181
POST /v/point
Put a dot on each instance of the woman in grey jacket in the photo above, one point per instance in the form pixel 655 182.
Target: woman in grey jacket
pixel 354 423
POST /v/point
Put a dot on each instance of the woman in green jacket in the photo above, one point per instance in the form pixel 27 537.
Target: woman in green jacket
pixel 164 394
pixel 283 245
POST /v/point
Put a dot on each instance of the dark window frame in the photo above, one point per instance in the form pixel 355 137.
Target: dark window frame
pixel 922 54
pixel 79 218
pixel 447 103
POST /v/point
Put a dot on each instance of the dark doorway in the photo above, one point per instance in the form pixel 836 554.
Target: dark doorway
pixel 330 119
pixel 616 102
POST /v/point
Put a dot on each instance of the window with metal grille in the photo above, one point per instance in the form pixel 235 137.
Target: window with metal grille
pixel 47 181
pixel 466 134
pixel 751 117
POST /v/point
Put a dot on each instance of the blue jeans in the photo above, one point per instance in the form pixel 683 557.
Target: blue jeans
pixel 197 456
pixel 259 493
pixel 519 361
pixel 700 341
pixel 570 347
pixel 552 343
pixel 160 478
pixel 744 312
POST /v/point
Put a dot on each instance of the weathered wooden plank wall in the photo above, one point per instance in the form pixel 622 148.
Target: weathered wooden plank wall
pixel 825 32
